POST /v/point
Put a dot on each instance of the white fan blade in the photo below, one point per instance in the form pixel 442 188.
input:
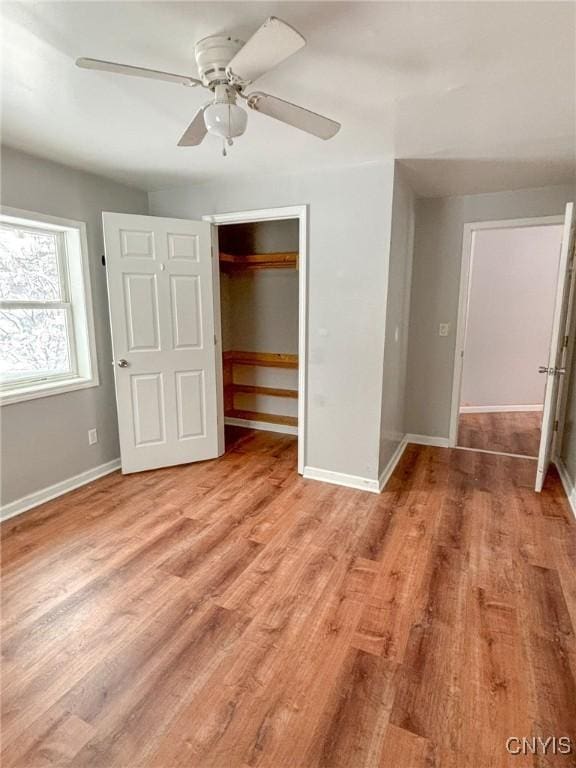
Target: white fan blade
pixel 127 69
pixel 273 42
pixel 296 116
pixel 195 132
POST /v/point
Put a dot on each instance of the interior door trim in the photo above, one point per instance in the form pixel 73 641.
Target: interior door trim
pixel 470 228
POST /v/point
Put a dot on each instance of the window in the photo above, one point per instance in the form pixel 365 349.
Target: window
pixel 46 325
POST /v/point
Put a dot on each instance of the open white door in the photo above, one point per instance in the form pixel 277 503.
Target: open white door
pixel 162 313
pixel 558 355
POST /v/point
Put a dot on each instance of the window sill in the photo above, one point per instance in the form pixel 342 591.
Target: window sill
pixel 34 391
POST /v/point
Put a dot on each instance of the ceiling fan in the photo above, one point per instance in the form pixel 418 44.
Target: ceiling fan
pixel 227 66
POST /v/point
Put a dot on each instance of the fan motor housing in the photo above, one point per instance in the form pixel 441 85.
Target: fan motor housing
pixel 213 55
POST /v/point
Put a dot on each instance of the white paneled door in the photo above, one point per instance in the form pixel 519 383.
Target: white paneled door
pixel 162 313
pixel 559 355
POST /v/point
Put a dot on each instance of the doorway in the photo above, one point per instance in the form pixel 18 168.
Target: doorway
pixel 260 292
pixel 507 299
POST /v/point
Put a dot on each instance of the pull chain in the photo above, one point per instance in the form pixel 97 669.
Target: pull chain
pixel 224 153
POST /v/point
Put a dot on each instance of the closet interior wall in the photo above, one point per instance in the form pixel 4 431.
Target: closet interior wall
pixel 259 311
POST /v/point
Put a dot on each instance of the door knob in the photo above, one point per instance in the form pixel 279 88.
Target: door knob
pixel 552 371
pixel 123 363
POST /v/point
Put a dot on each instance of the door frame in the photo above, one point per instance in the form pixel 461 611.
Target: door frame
pixel 470 228
pixel 301 213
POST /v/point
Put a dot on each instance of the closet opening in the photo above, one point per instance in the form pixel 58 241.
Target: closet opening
pixel 261 275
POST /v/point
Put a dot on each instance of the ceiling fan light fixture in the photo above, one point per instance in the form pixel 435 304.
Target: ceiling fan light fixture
pixel 227 66
pixel 225 120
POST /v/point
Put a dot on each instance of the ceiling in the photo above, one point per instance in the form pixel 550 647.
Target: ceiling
pixel 476 96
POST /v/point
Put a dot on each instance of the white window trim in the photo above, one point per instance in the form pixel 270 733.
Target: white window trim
pixel 83 331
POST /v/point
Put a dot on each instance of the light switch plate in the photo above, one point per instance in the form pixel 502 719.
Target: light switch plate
pixel 92 436
pixel 443 329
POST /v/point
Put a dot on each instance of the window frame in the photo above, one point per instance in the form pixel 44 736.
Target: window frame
pixel 76 299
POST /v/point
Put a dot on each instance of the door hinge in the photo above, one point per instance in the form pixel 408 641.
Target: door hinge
pixel 556 426
pixel 215 340
pixel 565 344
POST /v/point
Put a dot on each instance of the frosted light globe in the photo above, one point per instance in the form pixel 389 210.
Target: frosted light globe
pixel 225 120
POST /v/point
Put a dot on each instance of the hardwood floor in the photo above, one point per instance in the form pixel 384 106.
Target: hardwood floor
pixel 513 432
pixel 233 614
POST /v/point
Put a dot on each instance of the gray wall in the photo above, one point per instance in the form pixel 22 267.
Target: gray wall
pixel 45 441
pixel 349 236
pixel 263 307
pixel 392 424
pixel 435 288
pixel 568 434
pixel 259 237
pixel 568 445
pixel 260 306
pixel 512 290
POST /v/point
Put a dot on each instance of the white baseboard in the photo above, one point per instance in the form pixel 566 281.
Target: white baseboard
pixel 391 466
pixel 339 478
pixel 569 487
pixel 439 442
pixel 285 429
pixel 354 481
pixel 58 489
pixel 499 408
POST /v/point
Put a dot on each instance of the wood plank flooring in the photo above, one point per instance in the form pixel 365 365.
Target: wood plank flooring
pixel 231 614
pixel 514 432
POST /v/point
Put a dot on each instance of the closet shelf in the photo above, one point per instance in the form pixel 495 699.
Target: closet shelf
pixel 264 359
pixel 270 418
pixel 233 261
pixel 249 389
pixel 232 358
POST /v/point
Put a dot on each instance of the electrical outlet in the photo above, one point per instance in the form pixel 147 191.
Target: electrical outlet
pixel 443 329
pixel 92 436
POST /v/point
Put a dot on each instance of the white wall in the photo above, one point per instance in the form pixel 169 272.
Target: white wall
pixel 349 236
pixel 510 306
pixel 392 424
pixel 435 289
pixel 45 441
